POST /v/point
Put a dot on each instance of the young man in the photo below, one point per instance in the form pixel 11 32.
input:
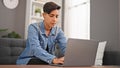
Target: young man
pixel 42 37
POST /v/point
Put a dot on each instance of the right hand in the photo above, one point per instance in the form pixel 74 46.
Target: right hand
pixel 58 60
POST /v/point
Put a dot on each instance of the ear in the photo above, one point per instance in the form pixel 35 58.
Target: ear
pixel 44 14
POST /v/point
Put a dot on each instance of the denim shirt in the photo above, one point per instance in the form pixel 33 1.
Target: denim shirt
pixel 37 43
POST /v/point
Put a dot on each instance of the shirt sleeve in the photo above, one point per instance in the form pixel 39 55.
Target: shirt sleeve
pixel 35 46
pixel 62 41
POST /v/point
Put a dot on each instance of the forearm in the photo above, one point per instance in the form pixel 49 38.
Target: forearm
pixel 42 54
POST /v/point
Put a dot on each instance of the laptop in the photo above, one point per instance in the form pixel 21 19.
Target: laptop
pixel 80 52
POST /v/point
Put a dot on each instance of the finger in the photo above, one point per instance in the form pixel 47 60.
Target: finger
pixel 62 59
pixel 61 62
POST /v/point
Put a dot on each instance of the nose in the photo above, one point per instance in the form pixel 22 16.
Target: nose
pixel 54 19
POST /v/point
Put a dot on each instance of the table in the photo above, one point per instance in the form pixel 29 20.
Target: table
pixel 48 66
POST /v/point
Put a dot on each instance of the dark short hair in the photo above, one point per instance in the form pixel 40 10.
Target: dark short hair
pixel 50 6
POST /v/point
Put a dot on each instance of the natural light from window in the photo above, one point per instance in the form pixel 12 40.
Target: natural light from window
pixel 77 19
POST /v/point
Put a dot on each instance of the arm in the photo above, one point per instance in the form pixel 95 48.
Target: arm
pixel 62 41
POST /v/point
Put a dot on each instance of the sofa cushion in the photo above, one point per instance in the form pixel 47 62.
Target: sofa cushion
pixel 5 60
pixel 5 51
pixel 10 49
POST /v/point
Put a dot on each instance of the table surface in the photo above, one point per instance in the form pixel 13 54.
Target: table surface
pixel 48 66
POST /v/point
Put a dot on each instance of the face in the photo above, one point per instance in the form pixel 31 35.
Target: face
pixel 50 19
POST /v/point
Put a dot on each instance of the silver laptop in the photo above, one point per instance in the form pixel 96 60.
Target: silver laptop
pixel 80 52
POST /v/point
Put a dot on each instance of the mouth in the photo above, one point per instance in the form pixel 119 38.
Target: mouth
pixel 52 24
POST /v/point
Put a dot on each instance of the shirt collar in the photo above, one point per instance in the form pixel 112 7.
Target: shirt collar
pixel 53 31
pixel 42 28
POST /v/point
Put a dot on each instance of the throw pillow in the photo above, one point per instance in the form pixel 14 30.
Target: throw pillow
pixel 100 53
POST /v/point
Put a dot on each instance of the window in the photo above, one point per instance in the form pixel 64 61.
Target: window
pixel 77 19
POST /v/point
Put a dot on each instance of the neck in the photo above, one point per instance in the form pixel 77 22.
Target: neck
pixel 47 28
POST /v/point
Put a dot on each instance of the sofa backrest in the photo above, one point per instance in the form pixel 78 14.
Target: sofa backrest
pixel 10 49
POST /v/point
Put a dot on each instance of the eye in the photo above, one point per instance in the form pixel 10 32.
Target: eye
pixel 51 15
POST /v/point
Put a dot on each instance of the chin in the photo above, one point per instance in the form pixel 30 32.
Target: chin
pixel 52 25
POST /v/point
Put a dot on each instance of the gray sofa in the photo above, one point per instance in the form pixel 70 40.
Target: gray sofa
pixel 111 58
pixel 11 48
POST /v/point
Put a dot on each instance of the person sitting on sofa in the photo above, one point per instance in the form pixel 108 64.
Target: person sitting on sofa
pixel 42 38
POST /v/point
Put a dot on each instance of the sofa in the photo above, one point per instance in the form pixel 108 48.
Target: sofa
pixel 11 48
pixel 111 58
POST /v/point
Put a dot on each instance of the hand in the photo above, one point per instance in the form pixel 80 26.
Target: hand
pixel 58 60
